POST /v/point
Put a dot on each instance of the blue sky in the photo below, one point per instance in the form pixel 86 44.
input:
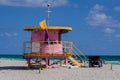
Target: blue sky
pixel 95 23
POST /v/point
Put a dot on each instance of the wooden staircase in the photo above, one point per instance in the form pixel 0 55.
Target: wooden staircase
pixel 73 61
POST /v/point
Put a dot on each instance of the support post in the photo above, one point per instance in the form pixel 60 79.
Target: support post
pixel 70 47
pixel 47 62
pixel 29 63
pixel 60 61
pixel 66 60
pixel 111 67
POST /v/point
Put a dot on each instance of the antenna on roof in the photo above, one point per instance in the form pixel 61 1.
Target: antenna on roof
pixel 48 6
pixel 49 2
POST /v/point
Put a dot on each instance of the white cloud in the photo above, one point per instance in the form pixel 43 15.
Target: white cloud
pixel 97 17
pixel 117 8
pixel 6 34
pixel 33 3
pixel 109 30
pixel 97 8
pixel 75 6
pixel 117 36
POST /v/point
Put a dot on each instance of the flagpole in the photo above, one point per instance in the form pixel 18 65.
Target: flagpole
pixel 48 23
pixel 48 40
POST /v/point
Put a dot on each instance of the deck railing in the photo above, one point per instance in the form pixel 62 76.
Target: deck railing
pixel 36 47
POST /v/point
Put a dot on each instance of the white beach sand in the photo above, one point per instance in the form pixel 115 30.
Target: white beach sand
pixel 16 70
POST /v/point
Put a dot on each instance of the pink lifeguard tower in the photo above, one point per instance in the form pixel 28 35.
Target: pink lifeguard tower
pixel 46 44
pixel 40 49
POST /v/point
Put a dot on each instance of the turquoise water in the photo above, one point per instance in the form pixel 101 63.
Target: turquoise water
pixel 111 59
pixel 107 59
pixel 11 57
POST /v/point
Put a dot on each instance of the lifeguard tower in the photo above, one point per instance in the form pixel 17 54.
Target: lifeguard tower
pixel 46 43
pixel 40 48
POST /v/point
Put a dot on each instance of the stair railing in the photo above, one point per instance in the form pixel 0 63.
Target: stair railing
pixel 79 53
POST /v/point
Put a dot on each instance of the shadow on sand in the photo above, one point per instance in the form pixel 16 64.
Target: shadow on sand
pixel 13 68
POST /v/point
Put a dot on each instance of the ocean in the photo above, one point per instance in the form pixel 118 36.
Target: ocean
pixel 11 57
pixel 107 59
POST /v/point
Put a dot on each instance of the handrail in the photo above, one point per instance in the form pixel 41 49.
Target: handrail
pixel 66 45
pixel 77 55
pixel 79 52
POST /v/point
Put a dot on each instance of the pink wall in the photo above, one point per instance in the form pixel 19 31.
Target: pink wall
pixel 51 48
pixel 40 35
pixel 37 36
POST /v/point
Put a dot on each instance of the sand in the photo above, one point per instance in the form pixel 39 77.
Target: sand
pixel 17 70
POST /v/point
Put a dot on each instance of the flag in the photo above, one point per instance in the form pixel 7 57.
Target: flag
pixel 42 24
pixel 46 36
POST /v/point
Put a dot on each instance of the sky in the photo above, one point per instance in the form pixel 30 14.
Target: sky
pixel 95 23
